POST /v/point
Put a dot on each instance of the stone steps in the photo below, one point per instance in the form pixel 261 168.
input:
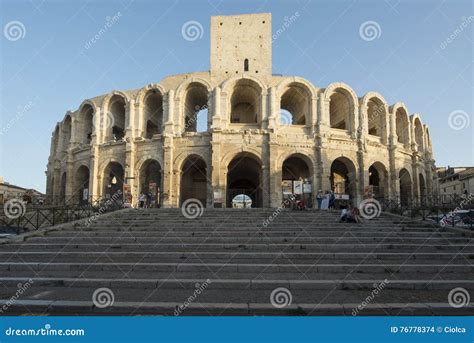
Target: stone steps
pixel 152 260
pixel 427 267
pixel 220 247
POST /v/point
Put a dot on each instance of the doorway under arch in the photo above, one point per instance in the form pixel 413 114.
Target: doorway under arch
pixel 193 180
pixel 405 187
pixel 150 182
pixel 295 177
pixel 81 185
pixel 114 176
pixel 244 175
pixel 343 177
pixel 378 180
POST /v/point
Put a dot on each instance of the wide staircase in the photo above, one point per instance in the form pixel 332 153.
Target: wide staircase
pixel 237 262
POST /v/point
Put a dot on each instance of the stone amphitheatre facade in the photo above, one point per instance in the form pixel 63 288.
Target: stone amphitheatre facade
pixel 267 135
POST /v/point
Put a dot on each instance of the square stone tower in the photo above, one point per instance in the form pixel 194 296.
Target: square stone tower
pixel 241 43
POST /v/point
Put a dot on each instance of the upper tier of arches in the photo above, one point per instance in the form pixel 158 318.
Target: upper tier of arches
pixel 194 105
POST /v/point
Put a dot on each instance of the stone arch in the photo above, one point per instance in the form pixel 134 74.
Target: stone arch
pixel 114 117
pixel 66 129
pixel 196 103
pixel 193 179
pixel 151 181
pixel 62 189
pixel 81 184
pixel 229 156
pixel 405 187
pixel 152 113
pixel 378 180
pixel 297 167
pixel 56 140
pixel 422 187
pixel 244 178
pixel 113 178
pixel 342 105
pixel 86 122
pixel 402 123
pixel 139 98
pixel 245 102
pixel 376 115
pixel 418 132
pixel 343 177
pixel 295 96
pixel 427 139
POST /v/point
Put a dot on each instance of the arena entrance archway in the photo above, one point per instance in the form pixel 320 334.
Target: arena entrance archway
pixel 378 180
pixel 150 182
pixel 62 190
pixel 244 175
pixel 81 185
pixel 405 187
pixel 421 181
pixel 343 177
pixel 193 180
pixel 113 180
pixel 295 177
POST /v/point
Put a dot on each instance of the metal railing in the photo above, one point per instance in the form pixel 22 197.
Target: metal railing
pixel 33 217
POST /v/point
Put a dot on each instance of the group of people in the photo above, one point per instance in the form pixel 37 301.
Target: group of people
pixel 147 200
pixel 350 214
pixel 325 201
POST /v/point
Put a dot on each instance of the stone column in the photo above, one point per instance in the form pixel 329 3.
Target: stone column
pixel 168 113
pixel 392 153
pixel 94 178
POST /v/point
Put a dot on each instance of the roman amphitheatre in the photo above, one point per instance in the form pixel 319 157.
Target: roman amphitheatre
pixel 260 134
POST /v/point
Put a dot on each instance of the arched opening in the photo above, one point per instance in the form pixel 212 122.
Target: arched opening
pixel 241 201
pixel 196 108
pixel 113 180
pixel 115 118
pixel 340 109
pixel 296 179
pixel 401 126
pixel 427 140
pixel 295 104
pixel 244 175
pixel 378 180
pixel 343 178
pixel 56 140
pixel 66 132
pixel 246 64
pixel 421 181
pixel 62 190
pixel 81 185
pixel 193 180
pixel 245 102
pixel 86 124
pixel 376 118
pixel 419 134
pixel 153 113
pixel 150 182
pixel 405 187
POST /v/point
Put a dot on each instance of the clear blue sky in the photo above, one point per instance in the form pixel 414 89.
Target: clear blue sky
pixel 49 71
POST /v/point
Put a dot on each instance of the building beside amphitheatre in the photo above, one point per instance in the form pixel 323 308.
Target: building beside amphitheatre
pixel 267 136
